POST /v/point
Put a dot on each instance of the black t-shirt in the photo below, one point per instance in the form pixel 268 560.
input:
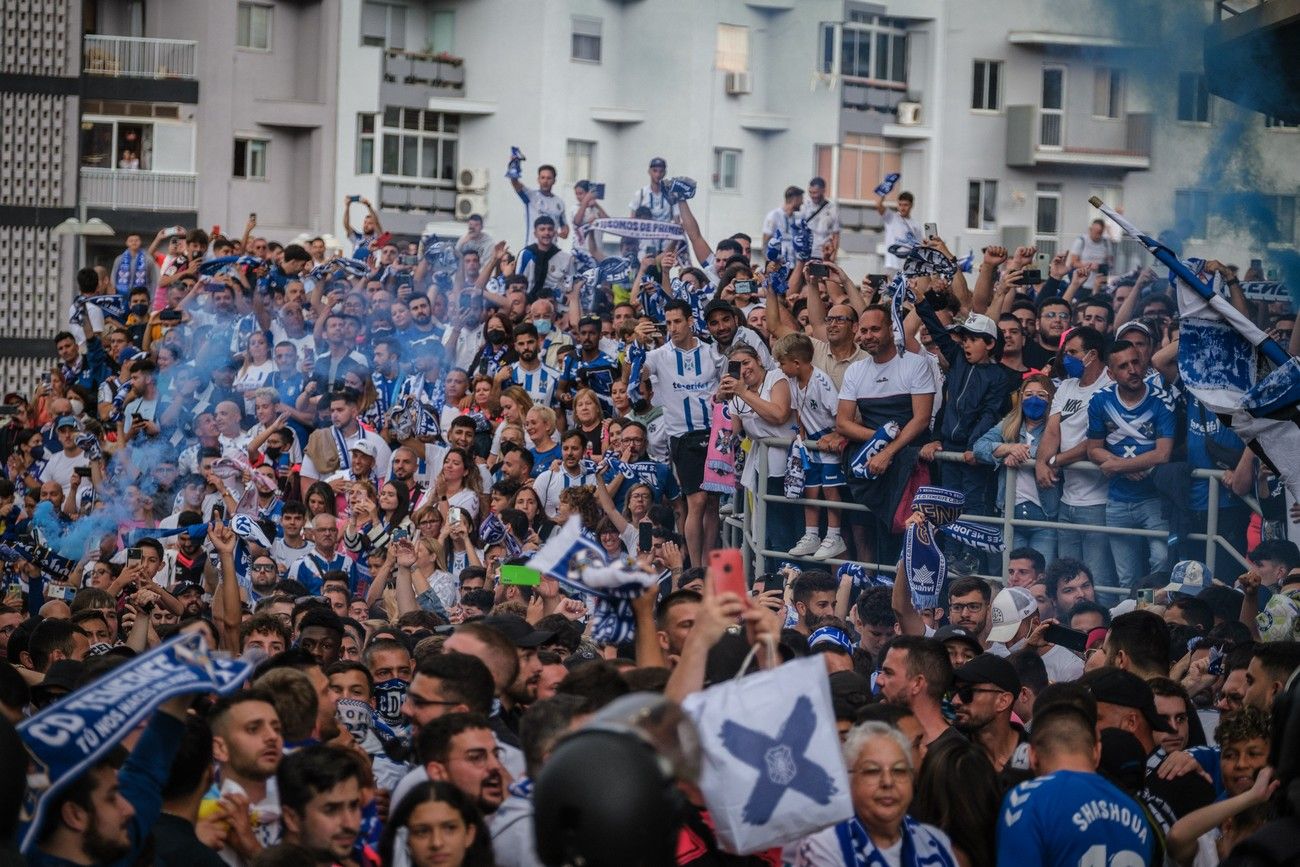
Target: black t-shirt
pixel 176 845
pixel 1035 356
pixel 1170 800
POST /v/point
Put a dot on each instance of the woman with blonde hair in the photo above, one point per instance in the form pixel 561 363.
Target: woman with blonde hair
pixel 589 419
pixel 539 424
pixel 1013 446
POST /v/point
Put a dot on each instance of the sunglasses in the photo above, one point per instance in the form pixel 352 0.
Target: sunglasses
pixel 968 692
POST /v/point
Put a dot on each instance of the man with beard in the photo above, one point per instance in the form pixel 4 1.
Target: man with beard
pixel 915 674
pixel 984 692
pixel 529 373
pixel 508 647
pixel 320 633
pixel 190 596
pixel 320 795
pixel 589 367
pixel 460 749
pixel 247 747
pixel 403 467
pixel 814 598
pixel 264 573
pixel 727 332
pixel 1053 319
pixel 107 814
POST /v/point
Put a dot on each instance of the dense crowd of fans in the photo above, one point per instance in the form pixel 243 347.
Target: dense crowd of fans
pixel 333 463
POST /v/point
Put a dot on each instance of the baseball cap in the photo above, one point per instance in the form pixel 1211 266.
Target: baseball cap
pixel 944 634
pixel 977 324
pixel 518 630
pixel 364 448
pixel 1189 577
pixel 1010 607
pixel 1116 686
pixel 185 587
pixel 1130 326
pixel 850 693
pixel 718 304
pixel 67 421
pixel 62 676
pixel 658 163
pixel 988 668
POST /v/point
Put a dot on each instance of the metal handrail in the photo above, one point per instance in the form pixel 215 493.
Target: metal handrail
pixel 757 553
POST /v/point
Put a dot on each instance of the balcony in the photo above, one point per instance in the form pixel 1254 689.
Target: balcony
pixel 1036 137
pixel 134 57
pixel 136 190
pixel 411 78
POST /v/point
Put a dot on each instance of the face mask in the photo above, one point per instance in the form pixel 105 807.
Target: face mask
pixel 1034 407
pixel 1073 366
pixel 543 326
pixel 496 337
pixel 272 454
pixel 38 452
pixel 139 309
pixel 77 407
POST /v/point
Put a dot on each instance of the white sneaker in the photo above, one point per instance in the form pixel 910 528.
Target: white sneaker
pixel 831 546
pixel 805 546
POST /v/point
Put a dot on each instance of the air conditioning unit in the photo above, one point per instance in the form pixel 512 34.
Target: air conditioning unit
pixel 471 180
pixel 470 203
pixel 909 113
pixel 738 83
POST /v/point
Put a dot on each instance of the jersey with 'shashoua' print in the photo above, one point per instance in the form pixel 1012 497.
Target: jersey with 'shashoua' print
pixel 1072 819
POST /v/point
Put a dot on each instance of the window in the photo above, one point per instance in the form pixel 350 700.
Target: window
pixel 1193 98
pixel 442 31
pixel 586 40
pixel 982 205
pixel 1283 211
pixel 726 169
pixel 116 143
pixel 732 53
pixel 986 91
pixel 420 144
pixel 1108 93
pixel 253 26
pixel 864 160
pixel 250 157
pixel 1271 122
pixel 1047 218
pixel 365 144
pixel 383 25
pixel 869 47
pixel 579 160
pixel 1051 112
pixel 1192 212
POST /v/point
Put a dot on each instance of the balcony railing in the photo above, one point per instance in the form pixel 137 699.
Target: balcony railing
pixel 137 57
pixel 1037 137
pixel 136 190
pixel 442 71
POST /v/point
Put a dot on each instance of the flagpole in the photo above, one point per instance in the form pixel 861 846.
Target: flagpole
pixel 1270 347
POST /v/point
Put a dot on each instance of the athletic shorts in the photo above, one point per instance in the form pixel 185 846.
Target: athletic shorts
pixel 687 453
pixel 824 476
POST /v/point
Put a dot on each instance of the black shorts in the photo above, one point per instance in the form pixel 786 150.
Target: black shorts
pixel 687 453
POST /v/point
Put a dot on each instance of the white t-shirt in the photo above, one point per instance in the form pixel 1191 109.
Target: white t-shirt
pixel 1093 252
pixel 549 484
pixel 888 387
pixel 1081 487
pixel 816 405
pixel 756 426
pixel 824 225
pixel 778 221
pixel 96 314
pixel 537 203
pixel 656 202
pixel 58 468
pixel 898 230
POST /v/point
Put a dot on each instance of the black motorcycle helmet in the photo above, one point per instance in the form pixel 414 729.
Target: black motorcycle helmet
pixel 626 814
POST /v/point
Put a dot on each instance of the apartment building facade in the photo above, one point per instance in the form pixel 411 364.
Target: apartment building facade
pixel 1003 117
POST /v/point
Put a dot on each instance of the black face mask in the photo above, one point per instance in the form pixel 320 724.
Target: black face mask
pixel 272 454
pixel 495 337
pixel 139 309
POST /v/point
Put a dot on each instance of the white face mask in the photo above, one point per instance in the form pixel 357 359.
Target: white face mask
pixel 77 407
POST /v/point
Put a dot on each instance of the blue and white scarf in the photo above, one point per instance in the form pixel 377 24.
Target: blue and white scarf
pixel 132 271
pixel 921 848
pixel 886 186
pixel 640 229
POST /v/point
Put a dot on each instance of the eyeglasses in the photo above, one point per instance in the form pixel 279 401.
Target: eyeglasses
pixel 972 607
pixel 1056 314
pixel 877 772
pixel 967 693
pixel 844 319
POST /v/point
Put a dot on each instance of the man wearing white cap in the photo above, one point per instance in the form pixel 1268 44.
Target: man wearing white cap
pixel 1016 624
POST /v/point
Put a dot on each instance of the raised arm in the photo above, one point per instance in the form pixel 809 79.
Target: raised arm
pixel 700 246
